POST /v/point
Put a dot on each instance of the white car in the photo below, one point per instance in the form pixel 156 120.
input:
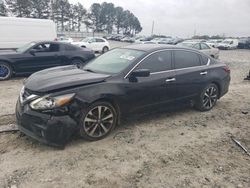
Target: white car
pixel 64 39
pixel 203 47
pixel 228 44
pixel 214 43
pixel 97 44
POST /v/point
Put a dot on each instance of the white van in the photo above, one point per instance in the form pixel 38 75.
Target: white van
pixel 228 44
pixel 15 32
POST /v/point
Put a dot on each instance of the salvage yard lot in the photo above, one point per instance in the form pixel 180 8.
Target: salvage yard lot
pixel 184 148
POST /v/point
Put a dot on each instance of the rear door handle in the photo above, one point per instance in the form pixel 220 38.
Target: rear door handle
pixel 170 80
pixel 203 73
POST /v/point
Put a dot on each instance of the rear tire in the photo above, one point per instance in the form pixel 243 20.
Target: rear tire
pixel 105 49
pixel 208 98
pixel 6 71
pixel 98 120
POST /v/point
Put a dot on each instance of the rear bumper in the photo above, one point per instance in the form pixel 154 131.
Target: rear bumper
pixel 47 129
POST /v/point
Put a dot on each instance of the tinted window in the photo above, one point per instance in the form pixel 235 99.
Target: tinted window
pixel 99 40
pixel 184 59
pixel 69 48
pixel 47 47
pixel 53 48
pixel 204 46
pixel 159 61
pixel 204 60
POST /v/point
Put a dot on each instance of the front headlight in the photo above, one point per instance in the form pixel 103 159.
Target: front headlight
pixel 47 102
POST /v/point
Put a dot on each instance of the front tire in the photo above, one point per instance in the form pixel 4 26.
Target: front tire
pixel 6 71
pixel 208 98
pixel 97 121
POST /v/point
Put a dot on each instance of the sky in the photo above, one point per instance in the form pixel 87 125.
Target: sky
pixel 184 18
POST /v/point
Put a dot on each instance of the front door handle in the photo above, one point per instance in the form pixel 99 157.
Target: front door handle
pixel 170 80
pixel 203 73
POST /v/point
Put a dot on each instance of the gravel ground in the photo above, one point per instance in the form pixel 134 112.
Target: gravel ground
pixel 184 148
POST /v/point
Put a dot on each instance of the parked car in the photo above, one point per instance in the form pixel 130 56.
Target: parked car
pixel 228 44
pixel 175 41
pixel 203 47
pixel 57 102
pixel 244 43
pixel 214 43
pixel 128 39
pixel 64 39
pixel 97 44
pixel 36 56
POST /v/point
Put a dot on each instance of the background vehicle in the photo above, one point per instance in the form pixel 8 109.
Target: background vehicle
pixel 228 44
pixel 120 82
pixel 16 32
pixel 203 47
pixel 244 43
pixel 214 43
pixel 128 39
pixel 64 39
pixel 97 44
pixel 36 56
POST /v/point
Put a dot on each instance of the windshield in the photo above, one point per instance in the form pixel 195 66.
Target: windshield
pixel 25 47
pixel 114 61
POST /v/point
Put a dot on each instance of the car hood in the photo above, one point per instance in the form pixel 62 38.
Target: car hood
pixel 58 78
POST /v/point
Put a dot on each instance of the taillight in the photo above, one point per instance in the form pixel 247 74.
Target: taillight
pixel 226 68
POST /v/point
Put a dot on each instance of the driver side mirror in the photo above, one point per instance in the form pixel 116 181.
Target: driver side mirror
pixel 32 51
pixel 140 73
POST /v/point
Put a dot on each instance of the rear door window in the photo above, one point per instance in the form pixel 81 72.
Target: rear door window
pixel 47 47
pixel 99 40
pixel 186 59
pixel 159 61
pixel 204 59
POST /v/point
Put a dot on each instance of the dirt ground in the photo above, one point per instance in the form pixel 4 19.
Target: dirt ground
pixel 184 148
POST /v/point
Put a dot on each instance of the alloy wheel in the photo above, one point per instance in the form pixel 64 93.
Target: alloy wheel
pixel 98 121
pixel 4 71
pixel 210 97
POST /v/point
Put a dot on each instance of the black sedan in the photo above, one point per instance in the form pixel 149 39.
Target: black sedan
pixel 56 102
pixel 36 56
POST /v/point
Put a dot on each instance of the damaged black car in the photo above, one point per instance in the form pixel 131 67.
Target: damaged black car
pixel 57 102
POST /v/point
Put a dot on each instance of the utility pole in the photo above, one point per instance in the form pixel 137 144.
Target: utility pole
pixel 152 31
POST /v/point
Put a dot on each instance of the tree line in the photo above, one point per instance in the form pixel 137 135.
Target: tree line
pixel 105 17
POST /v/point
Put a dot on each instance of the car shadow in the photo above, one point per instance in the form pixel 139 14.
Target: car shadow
pixel 138 118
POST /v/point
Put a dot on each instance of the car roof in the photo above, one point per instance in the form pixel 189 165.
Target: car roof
pixel 48 41
pixel 154 47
